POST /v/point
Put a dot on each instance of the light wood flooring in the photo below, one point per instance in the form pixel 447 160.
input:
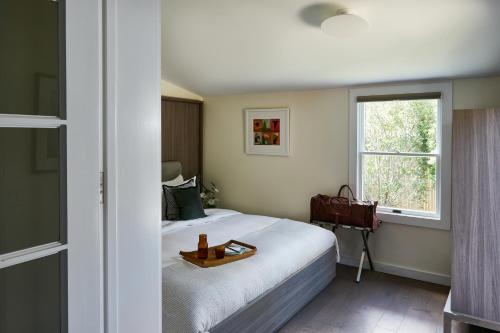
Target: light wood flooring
pixel 381 303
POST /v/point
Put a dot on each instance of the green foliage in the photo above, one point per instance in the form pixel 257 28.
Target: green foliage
pixel 209 196
pixel 400 126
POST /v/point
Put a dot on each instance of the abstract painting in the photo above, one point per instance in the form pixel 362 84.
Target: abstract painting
pixel 267 131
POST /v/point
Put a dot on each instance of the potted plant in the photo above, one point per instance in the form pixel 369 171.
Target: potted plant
pixel 209 196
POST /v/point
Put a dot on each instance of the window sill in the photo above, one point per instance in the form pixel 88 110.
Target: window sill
pixel 415 221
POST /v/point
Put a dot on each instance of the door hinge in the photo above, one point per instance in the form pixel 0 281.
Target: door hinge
pixel 101 187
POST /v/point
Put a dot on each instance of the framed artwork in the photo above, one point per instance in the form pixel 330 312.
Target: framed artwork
pixel 47 95
pixel 47 141
pixel 267 131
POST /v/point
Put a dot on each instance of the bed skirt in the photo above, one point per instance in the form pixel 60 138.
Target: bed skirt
pixel 270 311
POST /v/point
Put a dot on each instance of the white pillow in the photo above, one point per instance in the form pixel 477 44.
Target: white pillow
pixel 174 182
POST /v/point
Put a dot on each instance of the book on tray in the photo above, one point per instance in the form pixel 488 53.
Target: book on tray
pixel 233 249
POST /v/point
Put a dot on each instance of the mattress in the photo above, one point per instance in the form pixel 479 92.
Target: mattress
pixel 196 299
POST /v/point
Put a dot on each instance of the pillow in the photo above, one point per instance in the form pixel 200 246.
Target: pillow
pixel 174 182
pixel 171 209
pixel 189 202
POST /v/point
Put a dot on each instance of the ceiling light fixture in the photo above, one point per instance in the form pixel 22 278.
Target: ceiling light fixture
pixel 344 24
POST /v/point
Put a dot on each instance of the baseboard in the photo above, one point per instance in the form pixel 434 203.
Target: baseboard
pixel 406 272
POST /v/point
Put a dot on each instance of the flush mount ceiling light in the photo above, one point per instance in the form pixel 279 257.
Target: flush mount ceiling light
pixel 344 24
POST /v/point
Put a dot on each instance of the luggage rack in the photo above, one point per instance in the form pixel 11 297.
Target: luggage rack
pixel 365 234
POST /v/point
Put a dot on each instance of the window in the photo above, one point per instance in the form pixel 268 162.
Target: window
pixel 400 151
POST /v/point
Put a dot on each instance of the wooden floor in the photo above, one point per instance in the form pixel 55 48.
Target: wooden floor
pixel 381 303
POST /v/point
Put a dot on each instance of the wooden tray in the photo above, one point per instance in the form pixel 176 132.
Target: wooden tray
pixel 212 261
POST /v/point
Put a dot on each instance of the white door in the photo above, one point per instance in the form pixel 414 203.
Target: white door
pixel 51 268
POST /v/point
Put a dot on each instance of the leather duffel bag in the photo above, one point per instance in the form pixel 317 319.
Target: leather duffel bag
pixel 344 210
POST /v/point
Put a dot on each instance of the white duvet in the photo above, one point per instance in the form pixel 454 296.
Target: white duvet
pixel 196 299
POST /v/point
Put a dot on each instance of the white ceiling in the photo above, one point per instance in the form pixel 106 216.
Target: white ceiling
pixel 215 47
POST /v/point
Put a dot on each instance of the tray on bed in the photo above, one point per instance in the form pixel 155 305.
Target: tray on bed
pixel 212 261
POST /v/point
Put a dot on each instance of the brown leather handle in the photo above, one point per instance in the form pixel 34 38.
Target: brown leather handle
pixel 350 191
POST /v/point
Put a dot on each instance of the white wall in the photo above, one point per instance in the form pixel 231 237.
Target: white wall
pixel 318 163
pixel 133 165
pixel 476 93
pixel 171 90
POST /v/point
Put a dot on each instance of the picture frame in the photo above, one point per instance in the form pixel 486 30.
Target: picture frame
pixel 46 141
pixel 267 131
pixel 47 95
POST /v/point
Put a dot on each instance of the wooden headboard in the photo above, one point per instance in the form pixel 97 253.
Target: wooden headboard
pixel 182 134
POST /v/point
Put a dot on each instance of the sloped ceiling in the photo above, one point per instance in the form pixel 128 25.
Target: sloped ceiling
pixel 216 47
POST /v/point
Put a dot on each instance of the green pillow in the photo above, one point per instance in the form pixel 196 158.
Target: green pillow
pixel 189 202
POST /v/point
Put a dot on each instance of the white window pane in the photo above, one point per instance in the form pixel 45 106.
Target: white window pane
pixel 400 126
pixel 401 182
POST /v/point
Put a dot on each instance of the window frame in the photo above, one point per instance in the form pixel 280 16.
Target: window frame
pixel 440 219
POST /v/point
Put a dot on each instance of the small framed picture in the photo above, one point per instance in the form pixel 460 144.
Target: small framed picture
pixel 47 154
pixel 267 131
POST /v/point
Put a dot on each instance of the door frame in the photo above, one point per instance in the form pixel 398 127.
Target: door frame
pixel 132 165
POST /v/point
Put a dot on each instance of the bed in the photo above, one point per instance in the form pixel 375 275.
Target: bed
pixel 293 263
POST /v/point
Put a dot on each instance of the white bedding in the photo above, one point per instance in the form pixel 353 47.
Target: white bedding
pixel 196 299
